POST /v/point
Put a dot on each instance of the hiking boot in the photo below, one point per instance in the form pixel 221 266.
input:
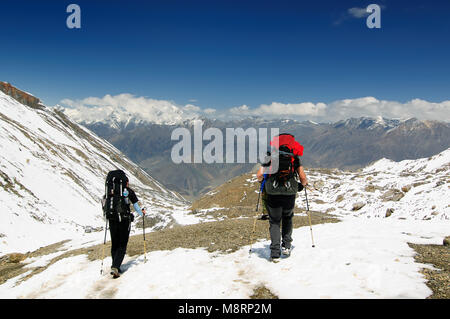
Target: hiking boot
pixel 263 217
pixel 115 272
pixel 285 251
pixel 275 259
pixel 119 269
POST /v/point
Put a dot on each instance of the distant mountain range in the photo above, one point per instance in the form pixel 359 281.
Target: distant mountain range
pixel 346 144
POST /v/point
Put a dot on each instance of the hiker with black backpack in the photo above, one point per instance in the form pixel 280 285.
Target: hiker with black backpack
pixel 281 186
pixel 116 208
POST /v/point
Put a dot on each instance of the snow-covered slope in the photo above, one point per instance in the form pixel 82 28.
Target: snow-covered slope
pixel 52 178
pixel 410 189
pixel 359 257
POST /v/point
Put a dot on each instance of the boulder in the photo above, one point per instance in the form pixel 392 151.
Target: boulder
pixel 358 206
pixel 446 241
pixel 389 212
pixel 15 258
pixel 392 195
pixel 406 188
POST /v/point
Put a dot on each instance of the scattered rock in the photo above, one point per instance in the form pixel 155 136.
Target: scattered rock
pixel 439 183
pixel 446 241
pixel 263 292
pixel 318 185
pixel 419 184
pixel 358 206
pixel 370 188
pixel 433 207
pixel 392 195
pixel 339 198
pixel 389 212
pixel 14 258
pixel 406 188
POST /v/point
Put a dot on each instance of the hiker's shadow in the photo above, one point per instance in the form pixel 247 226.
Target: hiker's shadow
pixel 264 252
pixel 124 267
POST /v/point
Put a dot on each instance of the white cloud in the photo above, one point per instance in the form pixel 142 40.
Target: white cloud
pixel 276 108
pixel 354 13
pixel 243 109
pixel 125 106
pixel 191 108
pixel 209 111
pixel 343 109
pixel 358 12
pixel 122 107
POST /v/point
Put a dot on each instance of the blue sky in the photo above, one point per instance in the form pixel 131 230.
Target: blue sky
pixel 223 54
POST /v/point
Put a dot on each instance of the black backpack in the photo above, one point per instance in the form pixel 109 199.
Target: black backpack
pixel 285 165
pixel 283 181
pixel 114 205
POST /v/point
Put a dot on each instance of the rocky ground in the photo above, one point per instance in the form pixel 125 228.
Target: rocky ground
pixel 438 279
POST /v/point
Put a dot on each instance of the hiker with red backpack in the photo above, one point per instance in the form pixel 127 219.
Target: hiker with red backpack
pixel 116 208
pixel 281 185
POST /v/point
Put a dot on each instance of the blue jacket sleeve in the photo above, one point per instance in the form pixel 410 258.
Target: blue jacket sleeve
pixel 264 181
pixel 137 209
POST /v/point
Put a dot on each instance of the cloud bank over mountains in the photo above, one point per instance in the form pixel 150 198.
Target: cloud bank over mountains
pixel 124 107
pixel 343 109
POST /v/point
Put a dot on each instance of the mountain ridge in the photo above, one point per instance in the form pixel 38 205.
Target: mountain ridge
pixel 348 144
pixel 52 173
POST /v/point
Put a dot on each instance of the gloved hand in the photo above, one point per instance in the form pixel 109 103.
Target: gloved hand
pixel 300 187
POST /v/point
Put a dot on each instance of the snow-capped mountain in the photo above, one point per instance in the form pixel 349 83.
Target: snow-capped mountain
pixel 368 123
pixel 124 109
pixel 52 175
pixel 349 144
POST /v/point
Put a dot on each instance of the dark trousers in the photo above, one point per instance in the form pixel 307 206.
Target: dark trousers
pixel 277 216
pixel 120 232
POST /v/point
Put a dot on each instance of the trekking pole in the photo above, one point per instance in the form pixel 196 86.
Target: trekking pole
pixel 257 203
pixel 104 244
pixel 254 222
pixel 143 230
pixel 309 216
